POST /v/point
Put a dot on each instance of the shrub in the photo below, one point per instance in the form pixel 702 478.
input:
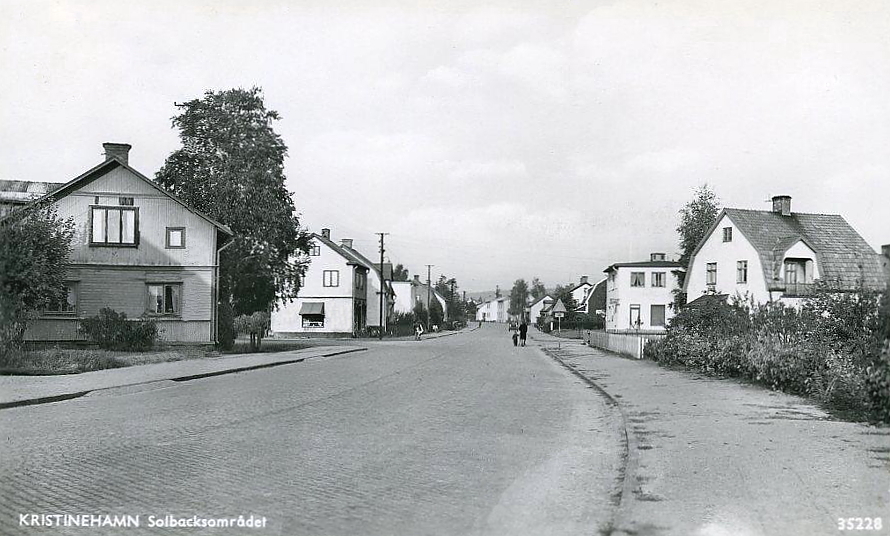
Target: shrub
pixel 226 326
pixel 878 385
pixel 256 325
pixel 112 331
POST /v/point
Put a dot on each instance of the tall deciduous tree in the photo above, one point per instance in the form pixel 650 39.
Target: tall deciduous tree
pixel 696 217
pixel 399 273
pixel 34 247
pixel 518 297
pixel 231 167
pixel 537 290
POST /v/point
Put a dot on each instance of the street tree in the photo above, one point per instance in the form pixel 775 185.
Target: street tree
pixel 564 293
pixel 696 217
pixel 518 297
pixel 537 290
pixel 399 273
pixel 34 247
pixel 231 167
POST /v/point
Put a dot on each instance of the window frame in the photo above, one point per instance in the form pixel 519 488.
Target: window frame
pixel 652 315
pixel 177 309
pixel 121 209
pixel 314 250
pixel 167 238
pixel 642 279
pixel 727 234
pixel 72 285
pixel 328 281
pixel 659 277
pixel 795 265
pixel 711 270
pixel 635 307
pixel 307 323
pixel 741 272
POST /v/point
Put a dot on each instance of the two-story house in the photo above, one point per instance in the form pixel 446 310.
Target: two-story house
pixel 640 295
pixel 580 293
pixel 494 310
pixel 333 296
pixel 537 308
pixel 378 281
pixel 136 249
pixel 410 294
pixel 768 255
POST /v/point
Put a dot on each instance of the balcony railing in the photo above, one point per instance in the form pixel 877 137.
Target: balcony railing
pixel 799 289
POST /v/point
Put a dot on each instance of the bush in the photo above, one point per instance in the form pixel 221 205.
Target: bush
pixel 226 326
pixel 112 331
pixel 878 385
pixel 255 325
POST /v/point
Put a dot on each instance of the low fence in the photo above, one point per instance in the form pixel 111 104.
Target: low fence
pixel 629 344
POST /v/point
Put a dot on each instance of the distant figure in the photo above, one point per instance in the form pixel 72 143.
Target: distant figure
pixel 418 330
pixel 435 328
pixel 515 339
pixel 523 331
pixel 480 324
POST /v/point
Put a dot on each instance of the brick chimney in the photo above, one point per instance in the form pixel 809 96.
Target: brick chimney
pixel 656 257
pixel 885 250
pixel 346 242
pixel 326 233
pixel 583 279
pixel 782 205
pixel 121 151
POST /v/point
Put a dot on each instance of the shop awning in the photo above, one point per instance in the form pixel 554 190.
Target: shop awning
pixel 312 308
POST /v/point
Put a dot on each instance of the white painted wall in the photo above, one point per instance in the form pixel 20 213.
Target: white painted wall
pixel 620 296
pixel 535 310
pixel 403 301
pixel 726 255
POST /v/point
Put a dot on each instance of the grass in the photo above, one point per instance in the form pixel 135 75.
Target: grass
pixel 53 361
pixel 242 346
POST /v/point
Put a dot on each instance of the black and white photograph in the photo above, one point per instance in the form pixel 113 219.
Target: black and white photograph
pixel 445 268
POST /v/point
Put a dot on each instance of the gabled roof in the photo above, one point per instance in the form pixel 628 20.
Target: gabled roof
pixel 375 267
pixel 22 192
pixel 544 297
pixel 599 289
pixel 106 166
pixel 347 254
pixel 844 258
pixel 707 300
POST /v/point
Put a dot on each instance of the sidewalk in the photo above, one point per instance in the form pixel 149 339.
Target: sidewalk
pixel 27 390
pixel 708 456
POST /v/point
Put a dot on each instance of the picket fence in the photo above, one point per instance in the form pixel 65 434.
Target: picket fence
pixel 629 344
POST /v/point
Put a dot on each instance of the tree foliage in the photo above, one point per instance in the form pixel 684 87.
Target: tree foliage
pixel 537 290
pixel 400 273
pixel 564 293
pixel 34 248
pixel 518 297
pixel 231 167
pixel 696 217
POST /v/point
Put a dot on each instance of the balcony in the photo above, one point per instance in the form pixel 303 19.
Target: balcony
pixel 799 290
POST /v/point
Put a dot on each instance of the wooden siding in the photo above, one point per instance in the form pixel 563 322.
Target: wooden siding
pixel 65 329
pixel 156 213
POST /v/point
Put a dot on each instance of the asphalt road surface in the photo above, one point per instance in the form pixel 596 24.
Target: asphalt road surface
pixel 459 435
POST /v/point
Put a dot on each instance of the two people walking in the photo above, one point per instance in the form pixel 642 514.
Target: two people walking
pixel 520 335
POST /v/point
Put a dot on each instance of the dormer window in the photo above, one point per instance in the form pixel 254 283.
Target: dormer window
pixel 727 234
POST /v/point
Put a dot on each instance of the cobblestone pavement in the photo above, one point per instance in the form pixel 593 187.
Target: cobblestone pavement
pixel 460 435
pixel 717 457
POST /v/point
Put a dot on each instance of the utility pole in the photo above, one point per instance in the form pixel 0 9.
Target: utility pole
pixel 453 306
pixel 382 285
pixel 429 290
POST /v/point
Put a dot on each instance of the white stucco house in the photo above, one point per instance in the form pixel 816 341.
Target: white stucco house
pixel 537 308
pixel 580 293
pixel 410 293
pixel 768 255
pixel 494 310
pixel 640 295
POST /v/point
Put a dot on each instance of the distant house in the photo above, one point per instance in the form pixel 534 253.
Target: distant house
pixel 408 294
pixel 494 310
pixel 333 296
pixel 137 249
pixel 777 254
pixel 595 302
pixel 536 309
pixel 640 295
pixel 16 194
pixel 579 294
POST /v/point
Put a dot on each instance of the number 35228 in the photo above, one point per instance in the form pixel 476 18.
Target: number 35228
pixel 860 523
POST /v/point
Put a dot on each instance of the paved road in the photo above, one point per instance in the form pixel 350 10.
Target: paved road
pixel 459 435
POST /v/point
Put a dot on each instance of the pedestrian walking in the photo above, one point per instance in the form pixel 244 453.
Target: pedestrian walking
pixel 515 339
pixel 418 330
pixel 523 331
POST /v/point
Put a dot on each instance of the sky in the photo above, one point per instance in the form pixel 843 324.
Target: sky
pixel 495 141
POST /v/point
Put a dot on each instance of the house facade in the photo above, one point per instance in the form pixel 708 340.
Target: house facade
pixel 138 250
pixel 537 308
pixel 378 281
pixel 580 293
pixel 640 295
pixel 778 254
pixel 494 310
pixel 333 296
pixel 408 294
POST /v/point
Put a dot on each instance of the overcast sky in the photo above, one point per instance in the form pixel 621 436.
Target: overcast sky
pixel 522 139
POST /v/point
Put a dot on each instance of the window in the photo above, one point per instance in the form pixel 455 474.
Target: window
pixel 727 234
pixel 656 316
pixel 658 279
pixel 638 279
pixel 331 278
pixel 125 201
pixel 175 238
pixel 114 226
pixel 791 272
pixel 313 321
pixel 360 280
pixel 741 272
pixel 712 273
pixel 635 321
pixel 68 305
pixel 314 251
pixel 164 298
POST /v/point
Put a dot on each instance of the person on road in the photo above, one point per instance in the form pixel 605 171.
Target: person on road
pixel 515 339
pixel 418 330
pixel 523 331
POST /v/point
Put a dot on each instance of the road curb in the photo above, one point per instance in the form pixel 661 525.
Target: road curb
pixel 190 377
pixel 631 445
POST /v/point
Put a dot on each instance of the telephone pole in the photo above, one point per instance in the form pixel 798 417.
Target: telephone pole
pixel 382 286
pixel 429 290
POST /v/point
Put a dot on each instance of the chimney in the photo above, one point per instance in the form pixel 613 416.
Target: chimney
pixel 583 279
pixel 782 205
pixel 326 233
pixel 121 151
pixel 346 242
pixel 656 257
pixel 885 250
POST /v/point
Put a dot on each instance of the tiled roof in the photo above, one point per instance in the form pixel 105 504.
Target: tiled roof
pixel 843 257
pixel 13 191
pixel 706 300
